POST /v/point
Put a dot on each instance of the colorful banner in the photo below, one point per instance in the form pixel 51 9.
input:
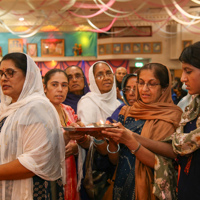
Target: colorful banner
pixel 87 40
pixel 85 65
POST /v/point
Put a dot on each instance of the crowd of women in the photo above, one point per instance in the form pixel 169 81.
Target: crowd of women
pixel 149 150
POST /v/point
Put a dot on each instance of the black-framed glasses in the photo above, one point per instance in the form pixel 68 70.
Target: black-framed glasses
pixel 149 85
pixel 100 76
pixel 128 90
pixel 8 73
pixel 76 77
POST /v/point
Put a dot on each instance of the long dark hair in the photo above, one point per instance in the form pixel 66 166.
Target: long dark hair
pixel 191 55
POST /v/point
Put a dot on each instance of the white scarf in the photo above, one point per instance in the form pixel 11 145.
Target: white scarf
pixel 32 134
pixel 102 105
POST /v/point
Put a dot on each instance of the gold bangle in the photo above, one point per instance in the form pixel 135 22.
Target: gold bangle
pixel 134 151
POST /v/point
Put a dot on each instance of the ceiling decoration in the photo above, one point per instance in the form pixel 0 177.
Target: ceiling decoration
pixel 97 15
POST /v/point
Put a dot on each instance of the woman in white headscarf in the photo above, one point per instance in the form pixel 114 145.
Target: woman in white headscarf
pixel 95 106
pixel 32 150
pixel 102 100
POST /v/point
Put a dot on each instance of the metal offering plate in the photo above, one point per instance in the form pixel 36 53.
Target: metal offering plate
pixel 93 127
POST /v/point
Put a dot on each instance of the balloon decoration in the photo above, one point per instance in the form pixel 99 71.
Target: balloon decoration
pixel 72 11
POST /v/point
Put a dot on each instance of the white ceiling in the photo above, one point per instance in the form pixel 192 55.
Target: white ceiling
pixel 43 14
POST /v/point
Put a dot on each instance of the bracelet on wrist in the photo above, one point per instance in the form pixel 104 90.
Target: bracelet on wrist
pixel 98 142
pixel 113 151
pixel 134 151
pixel 82 140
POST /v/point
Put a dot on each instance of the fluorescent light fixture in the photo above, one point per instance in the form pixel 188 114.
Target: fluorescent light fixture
pixel 139 64
pixel 138 58
pixel 21 19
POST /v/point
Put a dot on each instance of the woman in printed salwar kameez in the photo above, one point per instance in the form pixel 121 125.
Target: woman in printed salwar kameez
pixel 56 88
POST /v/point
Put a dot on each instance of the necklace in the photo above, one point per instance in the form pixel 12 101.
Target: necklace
pixel 63 117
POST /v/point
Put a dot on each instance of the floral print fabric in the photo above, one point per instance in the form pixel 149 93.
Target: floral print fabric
pixel 183 144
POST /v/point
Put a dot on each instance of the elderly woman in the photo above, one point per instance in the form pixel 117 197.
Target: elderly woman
pixel 78 86
pixel 185 141
pixel 153 116
pixel 101 101
pixel 31 140
pixel 95 106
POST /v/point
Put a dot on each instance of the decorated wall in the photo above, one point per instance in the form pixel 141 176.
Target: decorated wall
pixel 85 65
pixel 87 40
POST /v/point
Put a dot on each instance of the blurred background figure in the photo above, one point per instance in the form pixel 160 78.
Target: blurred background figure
pixel 119 75
pixel 185 101
pixel 129 84
pixel 177 89
pixel 78 86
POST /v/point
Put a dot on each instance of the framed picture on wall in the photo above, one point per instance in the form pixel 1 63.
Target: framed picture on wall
pixel 137 47
pixel 117 48
pixel 186 43
pixel 108 48
pixel 52 47
pixel 157 47
pixel 31 49
pixel 101 49
pixel 126 48
pixel 146 47
pixel 15 45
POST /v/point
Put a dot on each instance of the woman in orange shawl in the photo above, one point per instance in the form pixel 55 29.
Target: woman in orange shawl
pixel 153 116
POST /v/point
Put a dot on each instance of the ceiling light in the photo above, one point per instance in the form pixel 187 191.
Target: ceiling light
pixel 21 19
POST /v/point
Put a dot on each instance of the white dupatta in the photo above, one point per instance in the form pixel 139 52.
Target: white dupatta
pixel 32 134
pixel 95 106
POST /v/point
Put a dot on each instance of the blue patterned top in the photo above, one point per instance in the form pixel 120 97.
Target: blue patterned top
pixel 124 186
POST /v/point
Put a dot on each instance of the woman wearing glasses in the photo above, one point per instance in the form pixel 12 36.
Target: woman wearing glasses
pixel 78 86
pixel 154 116
pixel 129 96
pixel 101 101
pixel 31 141
pixel 95 106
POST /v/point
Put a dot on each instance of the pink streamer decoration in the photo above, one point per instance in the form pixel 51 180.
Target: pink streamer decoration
pixel 186 19
pixel 194 26
pixel 166 21
pixel 154 21
pixel 110 3
pixel 197 33
pixel 31 11
pixel 105 28
pixel 90 6
pixel 160 5
pixel 148 20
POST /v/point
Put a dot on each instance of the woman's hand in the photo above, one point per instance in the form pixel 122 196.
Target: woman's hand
pixel 71 149
pixel 120 134
pixel 80 123
pixel 76 135
pixel 72 135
